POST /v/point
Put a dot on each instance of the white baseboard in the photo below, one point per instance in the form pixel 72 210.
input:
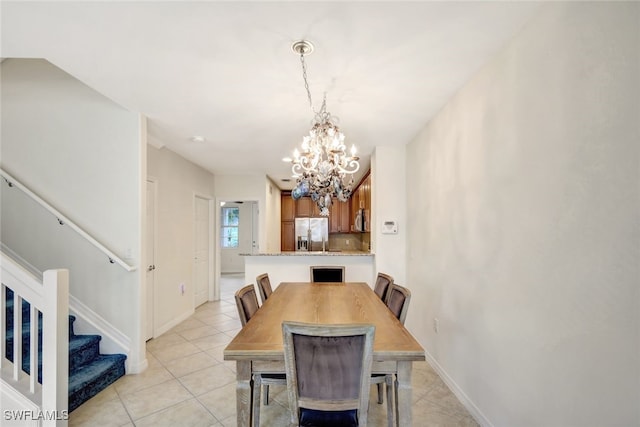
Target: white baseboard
pixel 164 328
pixel 475 412
pixel 89 322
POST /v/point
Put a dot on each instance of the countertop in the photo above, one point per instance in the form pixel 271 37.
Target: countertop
pixel 313 253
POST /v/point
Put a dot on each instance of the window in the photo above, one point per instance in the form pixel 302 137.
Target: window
pixel 229 232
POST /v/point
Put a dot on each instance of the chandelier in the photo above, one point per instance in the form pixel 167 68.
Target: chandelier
pixel 321 166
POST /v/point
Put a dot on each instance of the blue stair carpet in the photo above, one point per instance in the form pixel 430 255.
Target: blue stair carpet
pixel 89 371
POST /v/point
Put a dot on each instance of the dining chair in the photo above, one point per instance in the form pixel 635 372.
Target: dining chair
pixel 381 288
pixel 264 286
pixel 398 301
pixel 327 273
pixel 247 303
pixel 398 298
pixel 328 369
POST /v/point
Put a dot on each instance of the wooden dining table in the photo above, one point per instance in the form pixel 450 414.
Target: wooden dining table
pixel 258 347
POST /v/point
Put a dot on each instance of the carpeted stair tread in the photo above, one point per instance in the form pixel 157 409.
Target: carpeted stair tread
pixel 89 371
pixel 79 342
pixel 93 377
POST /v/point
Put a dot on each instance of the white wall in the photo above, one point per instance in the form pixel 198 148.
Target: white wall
pixel 523 213
pixel 82 153
pixel 178 181
pixel 389 201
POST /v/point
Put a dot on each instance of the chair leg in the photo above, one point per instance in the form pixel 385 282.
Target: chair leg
pixel 380 397
pixel 390 401
pixel 266 394
pixel 257 385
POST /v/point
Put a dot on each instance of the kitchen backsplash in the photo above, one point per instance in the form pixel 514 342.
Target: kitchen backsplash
pixel 350 242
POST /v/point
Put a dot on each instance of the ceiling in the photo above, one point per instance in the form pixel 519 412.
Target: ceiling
pixel 225 70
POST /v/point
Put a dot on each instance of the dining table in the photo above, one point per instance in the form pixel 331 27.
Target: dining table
pixel 258 347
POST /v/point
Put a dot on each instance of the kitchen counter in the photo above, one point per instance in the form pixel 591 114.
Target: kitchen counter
pixel 296 266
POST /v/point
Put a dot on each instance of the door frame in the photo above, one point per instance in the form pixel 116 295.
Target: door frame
pixel 210 261
pixel 216 221
pixel 150 288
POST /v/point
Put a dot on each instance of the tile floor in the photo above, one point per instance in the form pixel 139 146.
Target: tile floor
pixel 188 383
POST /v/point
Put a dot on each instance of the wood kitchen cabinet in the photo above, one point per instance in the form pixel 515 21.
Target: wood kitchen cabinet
pixel 288 208
pixel 287 236
pixel 304 207
pixel 340 217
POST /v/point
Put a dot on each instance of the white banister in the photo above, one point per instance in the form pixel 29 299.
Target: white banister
pixel 63 220
pixel 49 296
pixel 55 345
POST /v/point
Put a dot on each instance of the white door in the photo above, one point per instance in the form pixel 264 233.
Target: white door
pixel 150 261
pixel 201 251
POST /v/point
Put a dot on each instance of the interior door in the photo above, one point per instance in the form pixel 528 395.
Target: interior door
pixel 150 261
pixel 201 251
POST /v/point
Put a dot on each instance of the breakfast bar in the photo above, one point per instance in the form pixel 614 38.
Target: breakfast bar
pixel 294 266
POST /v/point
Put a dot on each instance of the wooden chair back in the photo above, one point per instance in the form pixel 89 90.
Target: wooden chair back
pixel 247 303
pixel 398 301
pixel 327 273
pixel 328 368
pixel 382 286
pixel 264 286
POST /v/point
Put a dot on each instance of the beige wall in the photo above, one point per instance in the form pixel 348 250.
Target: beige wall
pixel 83 154
pixel 523 208
pixel 177 182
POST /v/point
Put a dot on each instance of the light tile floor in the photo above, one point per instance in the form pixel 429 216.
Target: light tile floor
pixel 188 383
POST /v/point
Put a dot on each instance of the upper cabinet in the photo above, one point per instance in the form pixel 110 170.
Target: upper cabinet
pixel 305 207
pixel 288 207
pixel 340 217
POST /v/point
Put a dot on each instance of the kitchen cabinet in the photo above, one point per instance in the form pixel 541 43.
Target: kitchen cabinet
pixel 303 207
pixel 340 217
pixel 288 207
pixel 287 236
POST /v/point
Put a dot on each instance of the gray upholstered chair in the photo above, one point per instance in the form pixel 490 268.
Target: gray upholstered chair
pixel 381 288
pixel 264 286
pixel 327 273
pixel 398 301
pixel 247 303
pixel 328 370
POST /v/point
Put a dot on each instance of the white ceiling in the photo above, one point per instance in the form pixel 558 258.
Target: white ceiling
pixel 226 71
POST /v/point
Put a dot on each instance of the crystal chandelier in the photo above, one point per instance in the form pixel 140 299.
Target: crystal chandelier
pixel 322 164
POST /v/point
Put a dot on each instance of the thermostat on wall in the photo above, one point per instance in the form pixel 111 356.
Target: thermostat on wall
pixel 389 227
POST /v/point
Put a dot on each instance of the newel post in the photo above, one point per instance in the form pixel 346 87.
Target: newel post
pixel 55 347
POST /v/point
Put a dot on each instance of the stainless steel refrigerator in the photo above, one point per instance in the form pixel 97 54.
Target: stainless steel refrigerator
pixel 312 234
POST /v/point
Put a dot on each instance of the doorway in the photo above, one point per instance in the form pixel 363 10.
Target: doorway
pixel 238 234
pixel 203 237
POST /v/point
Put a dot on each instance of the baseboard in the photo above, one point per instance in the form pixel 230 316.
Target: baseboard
pixel 474 411
pixel 89 322
pixel 174 322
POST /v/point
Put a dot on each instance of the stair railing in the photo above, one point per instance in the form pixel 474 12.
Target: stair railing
pixel 63 220
pixel 51 298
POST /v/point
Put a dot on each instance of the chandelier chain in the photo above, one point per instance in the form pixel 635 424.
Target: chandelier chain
pixel 306 83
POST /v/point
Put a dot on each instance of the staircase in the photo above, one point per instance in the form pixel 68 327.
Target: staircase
pixel 89 371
